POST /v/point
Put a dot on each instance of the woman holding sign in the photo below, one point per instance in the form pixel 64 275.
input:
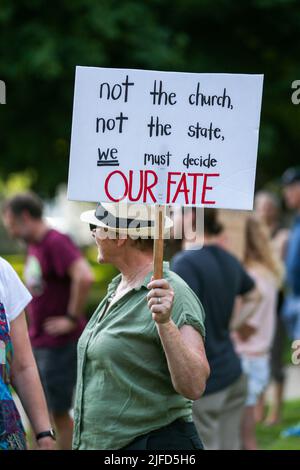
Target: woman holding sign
pixel 141 359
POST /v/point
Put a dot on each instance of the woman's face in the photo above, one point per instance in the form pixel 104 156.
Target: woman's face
pixel 106 245
pixel 266 209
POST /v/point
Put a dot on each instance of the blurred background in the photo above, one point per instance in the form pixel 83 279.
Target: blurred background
pixel 42 42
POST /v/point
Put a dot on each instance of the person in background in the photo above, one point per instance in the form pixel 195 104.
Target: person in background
pixel 218 279
pixel 267 209
pixel 18 369
pixel 254 338
pixel 59 279
pixel 291 306
pixel 141 358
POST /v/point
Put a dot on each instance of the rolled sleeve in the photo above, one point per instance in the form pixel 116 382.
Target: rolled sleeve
pixel 188 310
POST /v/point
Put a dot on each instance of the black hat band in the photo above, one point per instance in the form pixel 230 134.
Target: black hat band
pixel 110 220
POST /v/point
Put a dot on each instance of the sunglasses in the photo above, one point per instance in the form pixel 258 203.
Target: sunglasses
pixel 92 227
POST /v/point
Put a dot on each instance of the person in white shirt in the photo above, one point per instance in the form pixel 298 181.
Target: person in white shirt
pixel 18 369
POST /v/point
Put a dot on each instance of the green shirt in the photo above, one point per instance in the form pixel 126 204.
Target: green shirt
pixel 124 387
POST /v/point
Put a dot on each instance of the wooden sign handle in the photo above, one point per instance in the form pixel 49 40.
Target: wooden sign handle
pixel 159 241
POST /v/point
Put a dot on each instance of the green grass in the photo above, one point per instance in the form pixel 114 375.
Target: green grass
pixel 269 437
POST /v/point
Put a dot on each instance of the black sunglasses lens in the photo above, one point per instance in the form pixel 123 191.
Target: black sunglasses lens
pixel 92 227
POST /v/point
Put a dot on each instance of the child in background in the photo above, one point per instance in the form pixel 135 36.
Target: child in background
pixel 253 339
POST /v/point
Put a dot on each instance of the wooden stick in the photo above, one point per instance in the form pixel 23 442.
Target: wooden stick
pixel 159 242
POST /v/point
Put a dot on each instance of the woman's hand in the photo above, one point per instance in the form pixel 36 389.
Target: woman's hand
pixel 245 331
pixel 160 300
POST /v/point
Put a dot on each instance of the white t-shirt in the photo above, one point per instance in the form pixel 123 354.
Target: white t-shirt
pixel 13 294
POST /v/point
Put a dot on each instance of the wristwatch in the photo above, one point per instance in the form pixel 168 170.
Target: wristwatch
pixel 50 433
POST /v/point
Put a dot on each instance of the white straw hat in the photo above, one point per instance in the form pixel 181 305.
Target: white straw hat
pixel 136 220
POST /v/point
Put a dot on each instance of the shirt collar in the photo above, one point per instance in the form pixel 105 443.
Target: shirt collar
pixel 113 284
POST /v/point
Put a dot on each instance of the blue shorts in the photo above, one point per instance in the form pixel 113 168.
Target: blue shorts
pixel 257 370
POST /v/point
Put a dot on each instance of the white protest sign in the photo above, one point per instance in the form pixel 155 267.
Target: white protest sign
pixel 164 137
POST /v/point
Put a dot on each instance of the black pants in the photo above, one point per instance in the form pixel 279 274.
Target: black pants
pixel 178 435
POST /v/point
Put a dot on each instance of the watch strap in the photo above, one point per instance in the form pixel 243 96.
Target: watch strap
pixel 49 433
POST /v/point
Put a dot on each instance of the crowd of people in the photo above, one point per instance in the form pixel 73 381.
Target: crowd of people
pixel 181 362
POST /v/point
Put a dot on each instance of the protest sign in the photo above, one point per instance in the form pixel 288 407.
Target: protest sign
pixel 164 137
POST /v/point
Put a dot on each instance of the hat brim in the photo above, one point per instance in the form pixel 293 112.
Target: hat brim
pixel 90 218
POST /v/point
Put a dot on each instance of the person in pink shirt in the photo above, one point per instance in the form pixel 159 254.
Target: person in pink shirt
pixel 253 340
pixel 267 209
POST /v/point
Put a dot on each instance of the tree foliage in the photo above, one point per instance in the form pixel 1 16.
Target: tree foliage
pixel 42 42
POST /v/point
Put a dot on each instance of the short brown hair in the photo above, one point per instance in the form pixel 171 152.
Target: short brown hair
pixel 29 202
pixel 212 226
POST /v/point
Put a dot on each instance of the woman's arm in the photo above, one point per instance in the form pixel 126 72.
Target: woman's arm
pixel 26 381
pixel 184 348
pixel 186 358
pixel 244 308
